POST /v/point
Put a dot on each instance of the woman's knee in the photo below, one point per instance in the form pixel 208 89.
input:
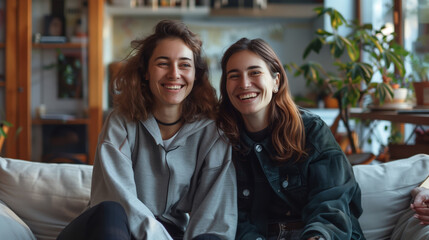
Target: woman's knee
pixel 110 207
pixel 108 212
pixel 206 236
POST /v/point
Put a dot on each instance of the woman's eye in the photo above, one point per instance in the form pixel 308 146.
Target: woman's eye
pixel 185 65
pixel 255 73
pixel 162 64
pixel 233 76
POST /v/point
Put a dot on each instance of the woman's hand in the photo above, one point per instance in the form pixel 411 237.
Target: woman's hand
pixel 420 204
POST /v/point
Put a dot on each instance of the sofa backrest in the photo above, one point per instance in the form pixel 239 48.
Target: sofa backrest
pixel 386 192
pixel 45 196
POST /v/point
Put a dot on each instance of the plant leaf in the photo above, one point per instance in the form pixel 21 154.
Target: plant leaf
pixel 315 45
pixel 353 52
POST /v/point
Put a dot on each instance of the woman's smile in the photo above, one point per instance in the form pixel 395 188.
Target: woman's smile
pixel 247 96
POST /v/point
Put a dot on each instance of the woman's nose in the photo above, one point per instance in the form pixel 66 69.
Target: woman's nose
pixel 245 82
pixel 173 72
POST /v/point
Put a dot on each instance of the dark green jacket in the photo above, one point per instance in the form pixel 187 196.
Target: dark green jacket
pixel 320 191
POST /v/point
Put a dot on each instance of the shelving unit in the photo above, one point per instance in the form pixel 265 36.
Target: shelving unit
pixel 85 101
pixel 22 60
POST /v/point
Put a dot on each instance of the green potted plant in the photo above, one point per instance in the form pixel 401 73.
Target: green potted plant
pixel 420 77
pixel 387 57
pixel 353 77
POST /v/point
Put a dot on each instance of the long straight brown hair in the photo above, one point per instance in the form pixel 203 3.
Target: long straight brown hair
pixel 288 133
pixel 130 90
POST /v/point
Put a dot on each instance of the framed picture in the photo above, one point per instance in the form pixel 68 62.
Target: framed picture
pixel 54 26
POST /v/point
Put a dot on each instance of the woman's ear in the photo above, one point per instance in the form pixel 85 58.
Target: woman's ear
pixel 276 82
pixel 147 76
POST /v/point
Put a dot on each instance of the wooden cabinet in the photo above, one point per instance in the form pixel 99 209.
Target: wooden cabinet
pixel 39 74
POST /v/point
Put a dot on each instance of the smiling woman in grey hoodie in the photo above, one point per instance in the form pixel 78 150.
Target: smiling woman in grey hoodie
pixel 160 160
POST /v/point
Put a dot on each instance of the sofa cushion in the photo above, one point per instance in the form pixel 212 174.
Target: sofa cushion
pixel 386 192
pixel 12 227
pixel 45 196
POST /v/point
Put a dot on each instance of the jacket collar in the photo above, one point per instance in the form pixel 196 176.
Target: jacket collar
pixel 249 144
pixel 184 132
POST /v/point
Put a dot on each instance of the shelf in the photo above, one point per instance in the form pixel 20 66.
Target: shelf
pixel 59 45
pixel 1 45
pixel 2 84
pixel 295 11
pixel 160 11
pixel 392 116
pixel 38 121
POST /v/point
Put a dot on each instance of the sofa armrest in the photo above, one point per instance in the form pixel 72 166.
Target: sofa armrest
pixel 46 196
pixel 11 226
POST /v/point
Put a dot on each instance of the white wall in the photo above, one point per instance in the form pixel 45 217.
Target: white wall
pixel 287 37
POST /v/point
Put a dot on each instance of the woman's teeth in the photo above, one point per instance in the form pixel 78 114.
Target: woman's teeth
pixel 247 96
pixel 173 87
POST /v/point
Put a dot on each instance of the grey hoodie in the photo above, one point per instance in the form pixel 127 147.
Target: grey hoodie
pixel 191 184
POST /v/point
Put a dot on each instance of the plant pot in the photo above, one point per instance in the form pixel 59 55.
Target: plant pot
pixel 399 96
pixel 330 102
pixel 421 90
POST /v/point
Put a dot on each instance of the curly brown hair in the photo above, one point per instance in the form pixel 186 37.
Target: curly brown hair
pixel 288 133
pixel 130 90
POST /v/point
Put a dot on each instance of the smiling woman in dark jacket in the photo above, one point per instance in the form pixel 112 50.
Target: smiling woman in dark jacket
pixel 294 181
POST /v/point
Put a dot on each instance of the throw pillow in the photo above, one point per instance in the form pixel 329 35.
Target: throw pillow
pixel 386 191
pixel 46 196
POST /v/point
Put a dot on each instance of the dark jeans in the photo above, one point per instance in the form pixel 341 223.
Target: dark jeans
pixel 177 234
pixel 108 221
pixel 105 221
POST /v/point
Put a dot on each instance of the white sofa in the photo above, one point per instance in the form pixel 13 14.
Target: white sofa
pixel 38 199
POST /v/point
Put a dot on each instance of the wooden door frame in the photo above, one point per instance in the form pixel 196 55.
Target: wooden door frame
pixel 96 74
pixel 11 76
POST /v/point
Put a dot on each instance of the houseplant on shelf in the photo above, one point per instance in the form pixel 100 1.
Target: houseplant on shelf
pixel 387 57
pixel 69 71
pixel 420 77
pixel 353 77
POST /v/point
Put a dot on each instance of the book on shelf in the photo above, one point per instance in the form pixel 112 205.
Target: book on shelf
pixel 53 39
pixel 75 39
pixel 57 116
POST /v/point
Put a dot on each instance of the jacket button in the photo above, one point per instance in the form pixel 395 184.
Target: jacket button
pixel 258 148
pixel 246 192
pixel 285 184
